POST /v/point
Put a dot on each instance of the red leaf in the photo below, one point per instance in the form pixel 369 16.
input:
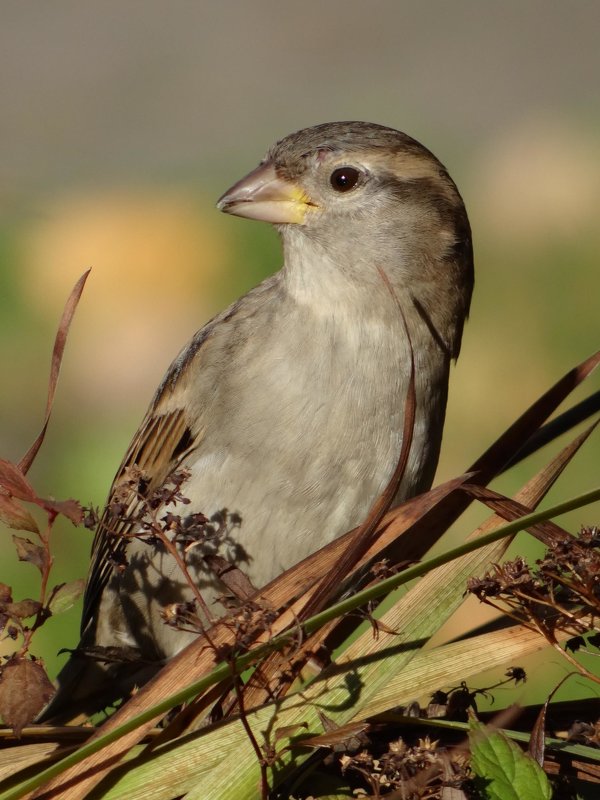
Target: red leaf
pixel 70 509
pixel 14 515
pixel 24 691
pixel 15 482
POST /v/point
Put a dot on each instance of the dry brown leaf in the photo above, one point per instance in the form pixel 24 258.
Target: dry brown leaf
pixel 22 609
pixel 24 691
pixel 13 480
pixel 15 516
pixel 31 552
pixel 509 509
pixel 70 509
pixel 57 354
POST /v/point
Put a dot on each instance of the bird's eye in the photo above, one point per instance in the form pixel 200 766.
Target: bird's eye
pixel 344 178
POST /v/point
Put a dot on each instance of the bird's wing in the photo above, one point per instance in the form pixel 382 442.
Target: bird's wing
pixel 164 439
pixel 169 433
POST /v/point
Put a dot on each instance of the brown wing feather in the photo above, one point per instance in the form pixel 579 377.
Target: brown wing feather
pixel 159 445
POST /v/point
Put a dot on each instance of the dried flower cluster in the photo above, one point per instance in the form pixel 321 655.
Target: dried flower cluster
pixel 560 594
pixel 587 733
pixel 420 771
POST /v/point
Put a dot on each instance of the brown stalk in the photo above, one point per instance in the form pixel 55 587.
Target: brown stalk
pixel 171 548
pixel 264 779
pixel 547 531
pixel 422 535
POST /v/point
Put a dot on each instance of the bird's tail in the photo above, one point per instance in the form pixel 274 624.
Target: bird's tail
pixel 87 686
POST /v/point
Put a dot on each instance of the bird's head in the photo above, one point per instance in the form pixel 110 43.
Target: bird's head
pixel 367 196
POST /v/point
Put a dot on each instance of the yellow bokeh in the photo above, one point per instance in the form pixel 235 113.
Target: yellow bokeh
pixel 155 256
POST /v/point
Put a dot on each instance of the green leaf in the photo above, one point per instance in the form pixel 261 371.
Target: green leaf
pixel 65 595
pixel 508 772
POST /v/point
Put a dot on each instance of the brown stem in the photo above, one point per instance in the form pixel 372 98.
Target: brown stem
pixel 585 672
pixel 172 549
pixel 264 779
pixel 42 613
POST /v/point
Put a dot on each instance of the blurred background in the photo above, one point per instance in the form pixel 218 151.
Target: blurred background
pixel 122 122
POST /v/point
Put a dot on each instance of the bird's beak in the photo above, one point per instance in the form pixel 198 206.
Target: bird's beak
pixel 263 195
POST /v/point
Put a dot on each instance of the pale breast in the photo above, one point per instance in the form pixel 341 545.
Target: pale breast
pixel 300 437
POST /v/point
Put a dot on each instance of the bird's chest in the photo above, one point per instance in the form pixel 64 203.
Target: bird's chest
pixel 316 424
pixel 336 385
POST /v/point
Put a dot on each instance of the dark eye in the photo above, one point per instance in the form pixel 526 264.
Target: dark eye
pixel 344 178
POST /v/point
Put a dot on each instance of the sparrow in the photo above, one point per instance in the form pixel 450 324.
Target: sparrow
pixel 283 416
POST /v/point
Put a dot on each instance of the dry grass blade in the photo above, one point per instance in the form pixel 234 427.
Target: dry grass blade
pixel 443 587
pixel 556 427
pixel 207 763
pixel 15 760
pixel 451 663
pixel 582 770
pixel 57 354
pixel 198 659
pixel 427 523
pixel 547 532
pixel 440 594
pixel 493 461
